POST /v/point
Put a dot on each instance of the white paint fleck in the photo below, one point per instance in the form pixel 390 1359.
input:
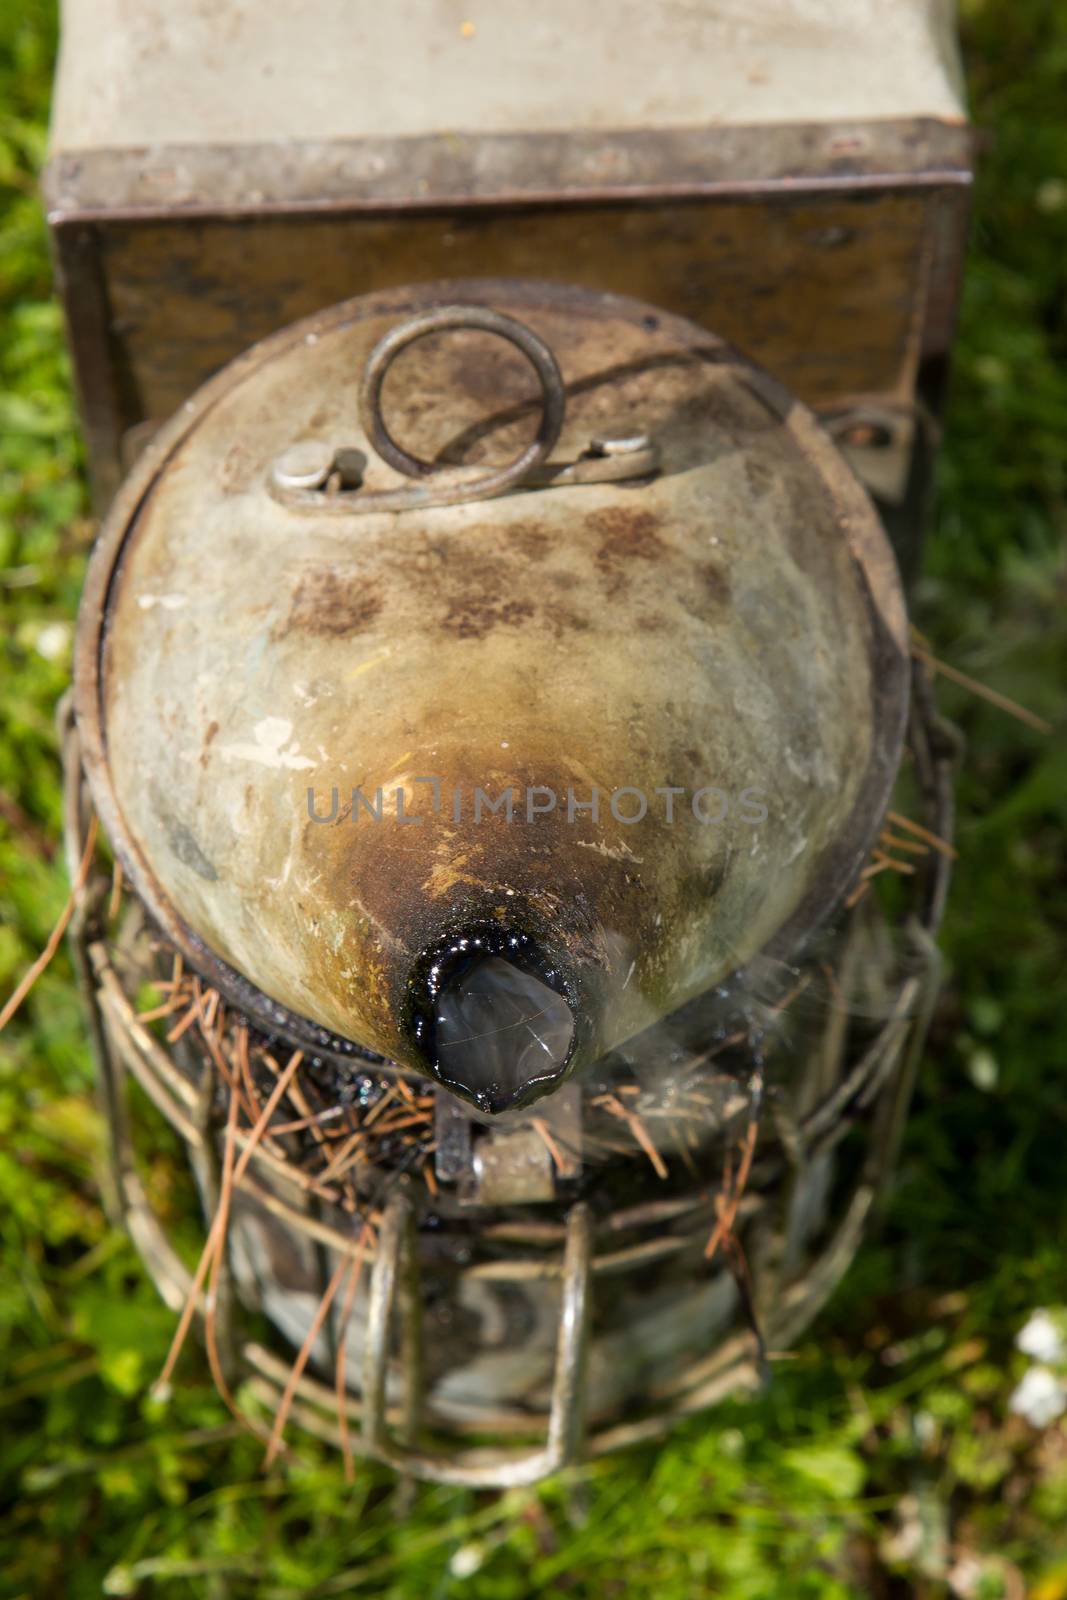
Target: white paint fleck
pixel 280 882
pixel 271 736
pixel 621 852
pixel 273 732
pixel 169 602
pixel 800 844
pixel 238 817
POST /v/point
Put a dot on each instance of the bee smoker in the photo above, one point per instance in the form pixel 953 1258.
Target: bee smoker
pixel 494 693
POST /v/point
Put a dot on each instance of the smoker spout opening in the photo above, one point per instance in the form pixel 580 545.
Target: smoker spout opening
pixel 496 1026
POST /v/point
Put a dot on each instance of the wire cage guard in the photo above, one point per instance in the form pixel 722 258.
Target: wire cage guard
pixel 393 1411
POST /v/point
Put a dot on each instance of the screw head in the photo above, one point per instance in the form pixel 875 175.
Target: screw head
pixel 305 465
pixel 624 442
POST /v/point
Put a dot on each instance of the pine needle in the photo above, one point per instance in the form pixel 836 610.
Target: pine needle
pixel 340 1385
pixel 216 1232
pixel 285 1405
pixel 1001 701
pixel 30 977
pixel 549 1143
pixel 939 844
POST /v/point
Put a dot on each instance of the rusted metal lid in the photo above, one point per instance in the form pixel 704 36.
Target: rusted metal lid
pixel 324 580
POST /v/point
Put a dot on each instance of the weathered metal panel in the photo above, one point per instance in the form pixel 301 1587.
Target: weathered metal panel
pixel 786 176
pixel 237 71
pixel 186 297
pixel 736 621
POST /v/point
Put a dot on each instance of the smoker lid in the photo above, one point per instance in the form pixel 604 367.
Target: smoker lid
pixel 248 634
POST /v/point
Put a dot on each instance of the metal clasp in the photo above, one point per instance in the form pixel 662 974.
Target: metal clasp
pixel 315 476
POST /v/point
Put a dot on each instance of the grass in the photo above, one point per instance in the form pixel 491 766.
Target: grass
pixel 885 1461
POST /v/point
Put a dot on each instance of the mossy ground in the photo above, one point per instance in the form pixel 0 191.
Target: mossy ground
pixel 885 1461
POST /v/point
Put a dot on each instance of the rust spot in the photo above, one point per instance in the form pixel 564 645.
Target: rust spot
pixel 333 605
pixel 562 620
pixel 236 467
pixel 625 536
pixel 472 617
pixel 212 730
pixel 531 540
pixel 714 581
pixel 759 474
pixel 493 375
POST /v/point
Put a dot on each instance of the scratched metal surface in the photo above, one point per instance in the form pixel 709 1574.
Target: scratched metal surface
pixel 736 622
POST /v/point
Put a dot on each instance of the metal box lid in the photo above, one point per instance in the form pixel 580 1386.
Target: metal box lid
pixel 238 72
pixel 237 107
pixel 216 172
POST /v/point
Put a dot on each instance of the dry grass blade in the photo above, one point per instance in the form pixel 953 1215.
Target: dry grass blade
pixel 244 1067
pixel 727 1208
pixel 184 1024
pixel 167 1009
pixel 932 839
pixel 216 1231
pixel 30 977
pixel 549 1143
pixel 1001 701
pixel 115 898
pixel 340 1386
pixel 612 1104
pixel 211 1298
pixel 314 1118
pixel 340 1161
pixel 377 1110
pixel 285 1404
pixel 909 846
pixel 881 861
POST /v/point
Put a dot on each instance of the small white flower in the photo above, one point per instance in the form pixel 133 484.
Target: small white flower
pixel 966 1576
pixel 925 1427
pixel 466 1560
pixel 1051 195
pixel 1041 1338
pixel 1040 1398
pixel 53 641
pixel 983 1070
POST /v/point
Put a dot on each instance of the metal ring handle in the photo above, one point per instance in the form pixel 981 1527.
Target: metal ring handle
pixel 443 318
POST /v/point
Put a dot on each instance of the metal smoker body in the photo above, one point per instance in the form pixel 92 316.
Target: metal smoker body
pixel 750 566
pixel 796 182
